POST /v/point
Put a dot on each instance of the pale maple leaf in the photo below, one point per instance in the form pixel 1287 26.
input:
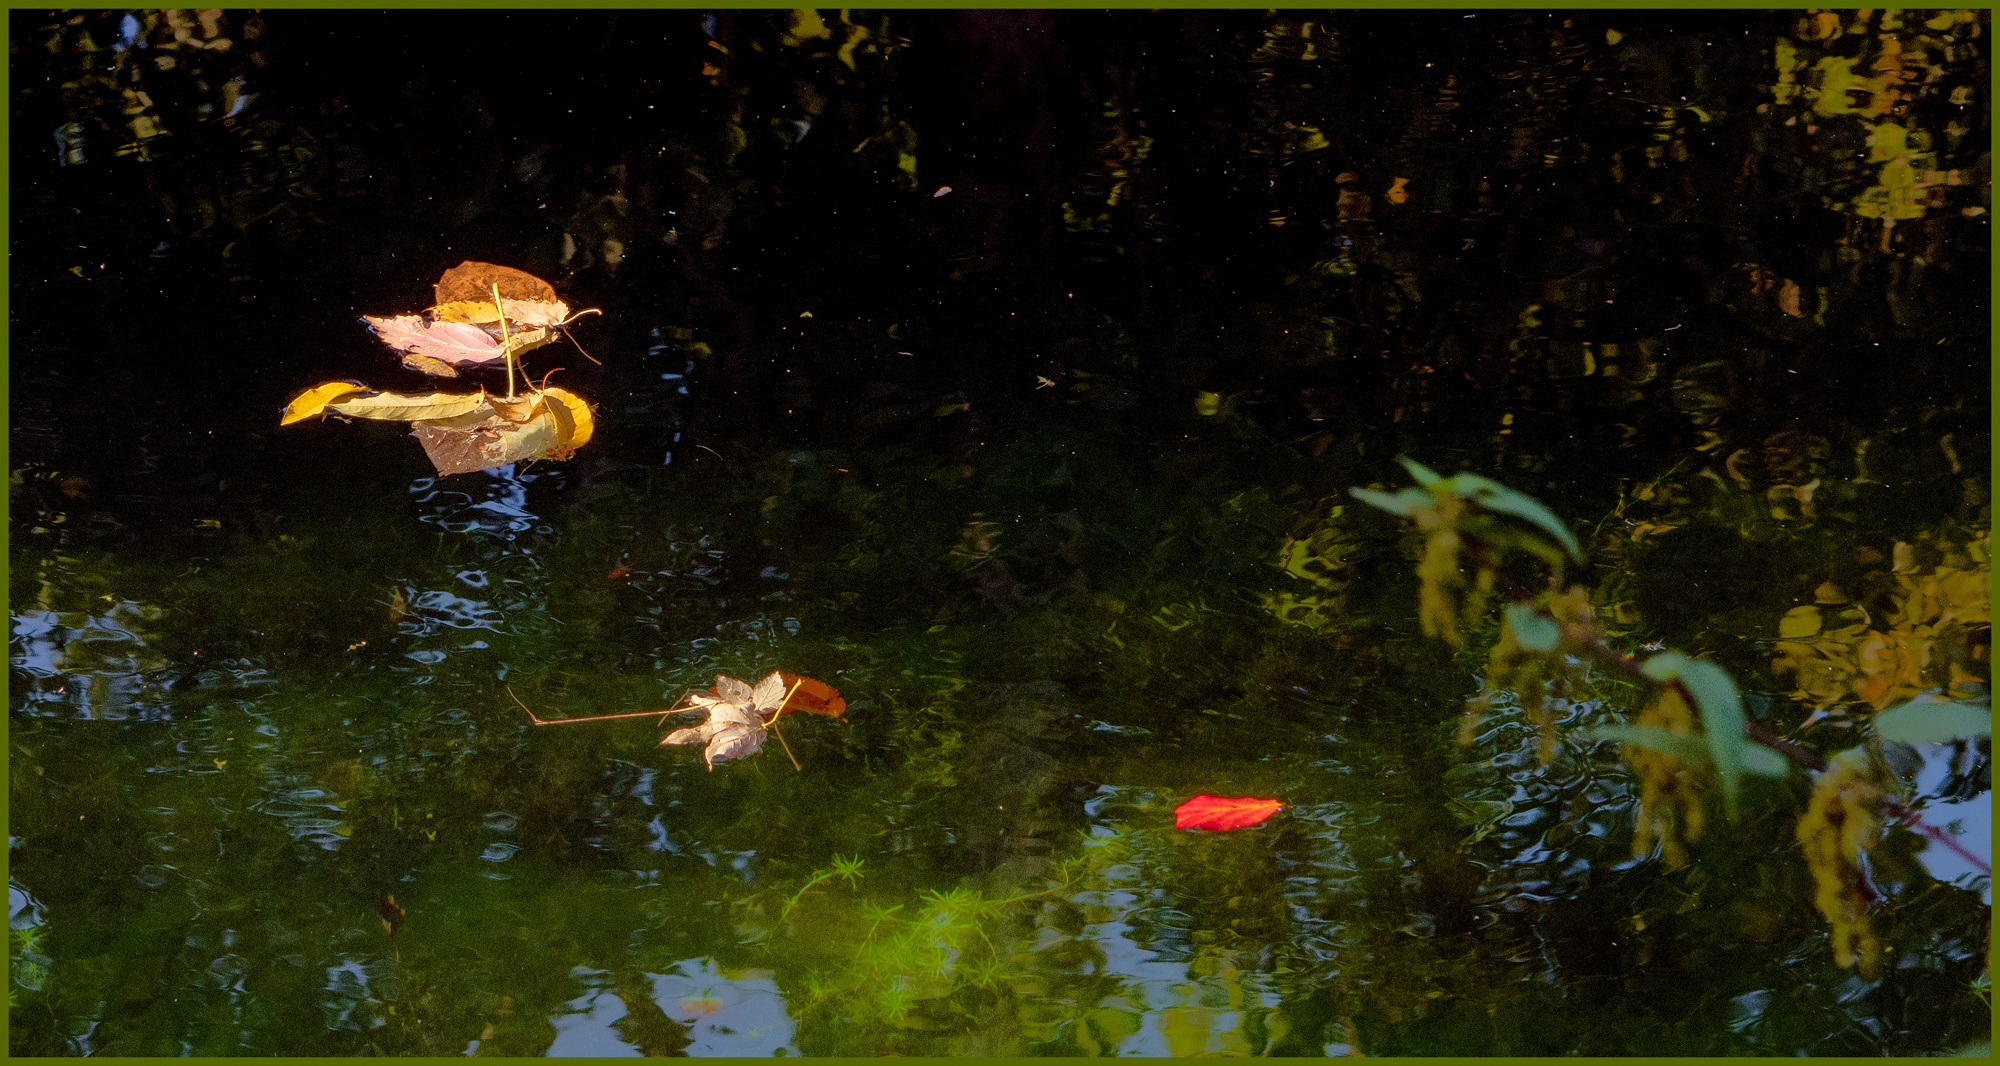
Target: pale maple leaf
pixel 737 715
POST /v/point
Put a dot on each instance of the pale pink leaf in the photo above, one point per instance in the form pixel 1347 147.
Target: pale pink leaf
pixel 451 342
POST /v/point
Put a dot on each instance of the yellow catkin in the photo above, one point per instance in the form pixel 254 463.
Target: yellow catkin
pixel 1842 820
pixel 1438 580
pixel 1672 795
pixel 1438 576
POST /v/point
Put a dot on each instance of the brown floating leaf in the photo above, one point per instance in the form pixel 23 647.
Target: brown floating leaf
pixel 434 367
pixel 516 411
pixel 812 697
pixel 472 281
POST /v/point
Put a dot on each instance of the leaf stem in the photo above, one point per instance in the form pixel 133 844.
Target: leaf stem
pixel 506 344
pixel 773 725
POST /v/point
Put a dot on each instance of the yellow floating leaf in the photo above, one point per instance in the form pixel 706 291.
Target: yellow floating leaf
pixel 1799 622
pixel 397 407
pixel 572 417
pixel 518 342
pixel 314 400
pixel 1829 592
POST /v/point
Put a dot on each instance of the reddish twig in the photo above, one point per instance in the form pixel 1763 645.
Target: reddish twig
pixel 539 720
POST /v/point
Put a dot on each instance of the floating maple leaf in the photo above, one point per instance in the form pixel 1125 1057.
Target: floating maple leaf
pixel 1223 812
pixel 737 715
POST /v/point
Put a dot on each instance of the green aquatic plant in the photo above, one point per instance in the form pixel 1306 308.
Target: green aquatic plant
pixel 1693 732
pixel 881 962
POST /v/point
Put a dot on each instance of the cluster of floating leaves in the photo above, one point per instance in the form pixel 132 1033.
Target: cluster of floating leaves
pixel 484 315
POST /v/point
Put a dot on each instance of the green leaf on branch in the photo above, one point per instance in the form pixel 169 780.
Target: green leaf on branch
pixel 1764 762
pixel 1424 475
pixel 1721 708
pixel 1500 499
pixel 1533 630
pixel 1925 720
pixel 1401 504
pixel 1509 535
pixel 1689 750
pixel 1485 492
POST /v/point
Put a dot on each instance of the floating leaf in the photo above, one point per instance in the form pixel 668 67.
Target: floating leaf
pixel 1533 630
pixel 485 438
pixel 1223 812
pixel 483 312
pixel 473 281
pixel 314 400
pixel 464 431
pixel 737 715
pixel 398 407
pixel 436 368
pixel 572 417
pixel 812 697
pixel 392 915
pixel 1933 721
pixel 448 342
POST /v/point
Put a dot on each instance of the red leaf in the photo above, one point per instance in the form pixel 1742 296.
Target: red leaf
pixel 1223 812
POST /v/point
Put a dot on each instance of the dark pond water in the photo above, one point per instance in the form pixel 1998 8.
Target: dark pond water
pixel 1009 372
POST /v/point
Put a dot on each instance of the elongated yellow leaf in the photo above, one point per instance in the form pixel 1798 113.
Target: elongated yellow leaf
pixel 314 400
pixel 396 407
